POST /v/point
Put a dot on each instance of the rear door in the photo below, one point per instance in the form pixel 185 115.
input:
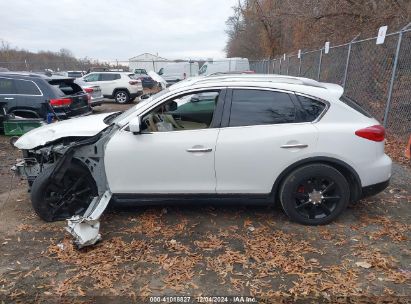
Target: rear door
pixel 261 136
pixel 8 97
pixel 109 82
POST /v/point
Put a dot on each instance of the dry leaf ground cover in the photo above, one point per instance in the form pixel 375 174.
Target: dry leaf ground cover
pixel 208 250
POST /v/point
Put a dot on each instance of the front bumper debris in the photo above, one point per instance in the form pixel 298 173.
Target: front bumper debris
pixel 85 228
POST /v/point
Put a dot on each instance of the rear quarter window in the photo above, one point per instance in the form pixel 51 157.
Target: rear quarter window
pixel 311 109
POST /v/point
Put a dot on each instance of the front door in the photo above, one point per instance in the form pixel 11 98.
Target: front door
pixel 174 152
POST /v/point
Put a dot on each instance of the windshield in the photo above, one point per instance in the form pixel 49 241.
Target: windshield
pixel 130 111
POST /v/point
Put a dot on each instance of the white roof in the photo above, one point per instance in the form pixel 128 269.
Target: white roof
pixel 146 56
pixel 289 83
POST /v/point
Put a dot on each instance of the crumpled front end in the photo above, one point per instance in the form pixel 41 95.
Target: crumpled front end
pixel 56 159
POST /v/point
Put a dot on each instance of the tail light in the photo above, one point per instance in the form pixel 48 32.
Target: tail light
pixel 88 90
pixel 60 102
pixel 134 82
pixel 374 133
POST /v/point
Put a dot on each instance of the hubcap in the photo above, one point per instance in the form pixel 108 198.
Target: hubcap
pixel 121 97
pixel 317 197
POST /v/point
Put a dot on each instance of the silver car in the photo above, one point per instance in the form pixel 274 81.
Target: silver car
pixel 93 91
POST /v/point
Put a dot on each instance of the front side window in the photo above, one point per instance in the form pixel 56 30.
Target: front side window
pixel 7 86
pixel 92 77
pixel 186 112
pixel 26 87
pixel 257 107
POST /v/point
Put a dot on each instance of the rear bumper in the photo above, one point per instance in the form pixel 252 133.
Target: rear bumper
pixel 96 101
pixel 374 189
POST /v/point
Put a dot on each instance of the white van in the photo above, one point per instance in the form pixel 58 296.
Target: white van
pixel 235 64
pixel 174 72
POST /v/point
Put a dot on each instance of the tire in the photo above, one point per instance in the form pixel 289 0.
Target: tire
pixel 46 194
pixel 122 96
pixel 314 194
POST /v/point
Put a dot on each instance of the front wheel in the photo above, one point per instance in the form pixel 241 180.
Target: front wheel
pixel 122 96
pixel 314 194
pixel 54 201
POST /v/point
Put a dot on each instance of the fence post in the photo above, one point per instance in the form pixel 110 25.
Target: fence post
pixel 394 71
pixel 288 66
pixel 299 65
pixel 279 70
pixel 348 60
pixel 268 66
pixel 319 65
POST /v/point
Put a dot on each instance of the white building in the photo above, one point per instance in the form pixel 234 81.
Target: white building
pixel 147 61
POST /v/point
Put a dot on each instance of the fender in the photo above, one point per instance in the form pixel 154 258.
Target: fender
pixel 349 173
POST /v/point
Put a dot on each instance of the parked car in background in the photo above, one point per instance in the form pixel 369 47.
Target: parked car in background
pixel 175 72
pixel 225 65
pixel 72 74
pixel 32 95
pixel 266 138
pixel 94 93
pixel 146 80
pixel 123 87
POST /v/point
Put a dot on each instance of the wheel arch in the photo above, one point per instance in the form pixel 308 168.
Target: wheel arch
pixel 349 173
pixel 120 89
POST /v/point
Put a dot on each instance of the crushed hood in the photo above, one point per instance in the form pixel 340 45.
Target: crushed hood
pixel 77 127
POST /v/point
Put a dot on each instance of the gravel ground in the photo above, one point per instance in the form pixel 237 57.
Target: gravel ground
pixel 207 250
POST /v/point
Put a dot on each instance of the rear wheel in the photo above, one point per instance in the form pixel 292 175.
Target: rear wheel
pixel 314 194
pixel 122 96
pixel 59 201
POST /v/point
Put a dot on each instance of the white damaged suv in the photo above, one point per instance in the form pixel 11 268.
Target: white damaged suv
pixel 259 137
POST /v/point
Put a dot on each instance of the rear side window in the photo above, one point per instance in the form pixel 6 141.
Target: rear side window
pixel 26 87
pixel 255 107
pixel 311 108
pixel 7 86
pixel 108 77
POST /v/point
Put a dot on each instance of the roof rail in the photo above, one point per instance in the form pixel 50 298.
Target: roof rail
pixel 258 78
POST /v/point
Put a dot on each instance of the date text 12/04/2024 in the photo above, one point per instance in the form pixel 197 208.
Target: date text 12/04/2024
pixel 203 299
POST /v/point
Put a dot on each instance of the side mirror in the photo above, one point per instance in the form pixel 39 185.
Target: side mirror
pixel 145 96
pixel 134 125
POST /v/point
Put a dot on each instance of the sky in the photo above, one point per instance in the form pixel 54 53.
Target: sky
pixel 118 29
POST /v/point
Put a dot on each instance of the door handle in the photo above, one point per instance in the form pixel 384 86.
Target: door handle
pixel 294 146
pixel 8 98
pixel 193 150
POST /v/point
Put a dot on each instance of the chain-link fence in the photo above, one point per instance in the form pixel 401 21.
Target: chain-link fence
pixel 377 76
